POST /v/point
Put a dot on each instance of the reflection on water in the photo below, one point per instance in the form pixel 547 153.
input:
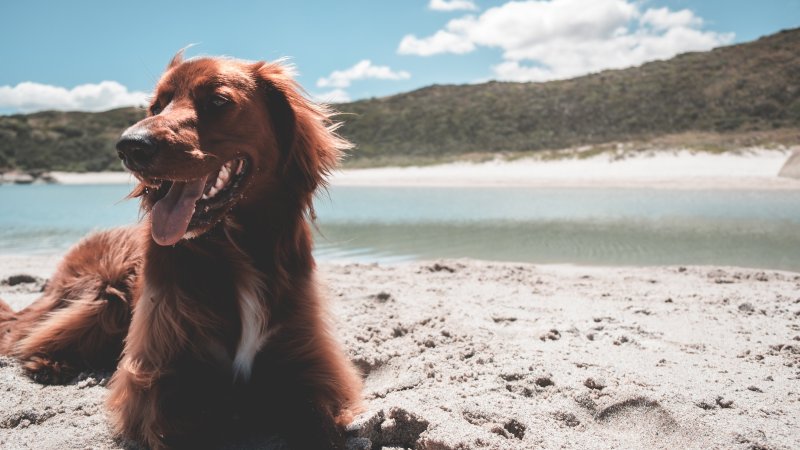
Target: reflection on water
pixel 753 244
pixel 583 226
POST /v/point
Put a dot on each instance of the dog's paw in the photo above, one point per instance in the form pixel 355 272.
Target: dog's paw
pixel 345 417
pixel 46 371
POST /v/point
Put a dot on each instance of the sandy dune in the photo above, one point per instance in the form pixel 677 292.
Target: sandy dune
pixel 468 354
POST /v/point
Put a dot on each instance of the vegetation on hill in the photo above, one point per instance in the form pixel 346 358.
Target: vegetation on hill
pixel 69 141
pixel 750 89
pixel 741 88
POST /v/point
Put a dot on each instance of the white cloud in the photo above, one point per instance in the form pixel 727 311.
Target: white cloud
pixel 333 96
pixel 441 42
pixel 364 69
pixel 514 71
pixel 664 19
pixel 452 5
pixel 29 96
pixel 546 40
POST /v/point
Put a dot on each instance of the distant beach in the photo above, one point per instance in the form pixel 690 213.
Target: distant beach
pixel 669 169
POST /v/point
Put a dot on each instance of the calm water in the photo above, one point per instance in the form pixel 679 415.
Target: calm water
pixel 583 226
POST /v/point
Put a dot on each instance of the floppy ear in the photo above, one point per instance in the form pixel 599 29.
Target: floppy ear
pixel 306 134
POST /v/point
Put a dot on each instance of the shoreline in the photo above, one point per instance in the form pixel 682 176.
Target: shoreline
pixel 475 354
pixel 752 169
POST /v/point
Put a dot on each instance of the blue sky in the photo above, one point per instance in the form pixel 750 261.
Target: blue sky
pixel 53 46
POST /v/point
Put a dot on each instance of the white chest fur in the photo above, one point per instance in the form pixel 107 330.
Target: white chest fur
pixel 254 318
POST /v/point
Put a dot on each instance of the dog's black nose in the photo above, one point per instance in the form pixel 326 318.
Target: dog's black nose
pixel 135 150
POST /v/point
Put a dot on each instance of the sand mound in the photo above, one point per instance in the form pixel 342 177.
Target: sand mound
pixel 792 167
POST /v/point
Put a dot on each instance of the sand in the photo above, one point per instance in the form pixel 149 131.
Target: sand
pixel 462 354
pixel 665 169
pixel 753 168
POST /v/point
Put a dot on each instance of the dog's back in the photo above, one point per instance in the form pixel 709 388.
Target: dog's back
pixel 82 317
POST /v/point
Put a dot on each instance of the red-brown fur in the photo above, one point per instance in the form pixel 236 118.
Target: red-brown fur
pixel 175 385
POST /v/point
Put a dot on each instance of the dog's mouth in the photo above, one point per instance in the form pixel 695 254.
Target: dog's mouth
pixel 186 209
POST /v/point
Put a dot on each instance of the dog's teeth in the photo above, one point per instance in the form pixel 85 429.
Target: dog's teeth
pixel 239 166
pixel 211 192
pixel 205 197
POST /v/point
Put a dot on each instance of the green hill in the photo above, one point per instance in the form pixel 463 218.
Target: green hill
pixel 70 141
pixel 736 89
pixel 749 90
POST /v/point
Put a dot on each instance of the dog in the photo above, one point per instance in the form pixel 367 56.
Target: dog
pixel 208 308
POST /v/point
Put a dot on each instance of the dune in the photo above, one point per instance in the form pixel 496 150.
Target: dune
pixel 462 354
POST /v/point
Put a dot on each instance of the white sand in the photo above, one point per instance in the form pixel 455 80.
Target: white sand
pixel 468 354
pixel 680 169
pixel 93 178
pixel 672 169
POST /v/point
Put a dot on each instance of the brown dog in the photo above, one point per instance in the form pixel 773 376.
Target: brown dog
pixel 213 293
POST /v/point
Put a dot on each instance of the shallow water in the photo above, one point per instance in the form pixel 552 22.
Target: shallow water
pixel 583 226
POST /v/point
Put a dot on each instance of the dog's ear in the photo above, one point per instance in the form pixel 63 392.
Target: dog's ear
pixel 306 135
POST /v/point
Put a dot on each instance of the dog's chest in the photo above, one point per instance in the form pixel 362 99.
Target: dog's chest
pixel 254 320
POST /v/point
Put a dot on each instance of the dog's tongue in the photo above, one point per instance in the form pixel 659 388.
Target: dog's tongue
pixel 171 215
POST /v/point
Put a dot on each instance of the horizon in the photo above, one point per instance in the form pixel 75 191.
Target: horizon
pixel 394 49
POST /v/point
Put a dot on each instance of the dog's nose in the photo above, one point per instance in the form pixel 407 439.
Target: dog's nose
pixel 135 150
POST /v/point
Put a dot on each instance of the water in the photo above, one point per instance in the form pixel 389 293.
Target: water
pixel 581 226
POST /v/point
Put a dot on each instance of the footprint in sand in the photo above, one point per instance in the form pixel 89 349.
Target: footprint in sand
pixel 644 417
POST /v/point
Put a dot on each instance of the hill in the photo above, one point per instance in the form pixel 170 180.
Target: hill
pixel 736 89
pixel 749 90
pixel 69 141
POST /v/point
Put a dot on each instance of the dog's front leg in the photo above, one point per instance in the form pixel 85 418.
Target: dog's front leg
pixel 311 395
pixel 179 406
pixel 166 393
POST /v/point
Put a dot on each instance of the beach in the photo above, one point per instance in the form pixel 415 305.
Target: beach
pixel 468 354
pixel 751 168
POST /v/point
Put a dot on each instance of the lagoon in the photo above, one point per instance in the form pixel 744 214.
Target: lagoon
pixel 605 226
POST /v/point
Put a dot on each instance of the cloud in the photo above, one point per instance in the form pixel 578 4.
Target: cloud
pixel 441 42
pixel 664 19
pixel 546 40
pixel 452 5
pixel 333 96
pixel 364 69
pixel 29 96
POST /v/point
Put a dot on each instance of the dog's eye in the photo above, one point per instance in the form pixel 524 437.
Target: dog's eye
pixel 156 109
pixel 218 101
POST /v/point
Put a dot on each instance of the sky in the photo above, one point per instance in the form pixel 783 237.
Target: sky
pixel 97 55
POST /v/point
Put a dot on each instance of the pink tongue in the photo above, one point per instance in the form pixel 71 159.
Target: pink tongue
pixel 171 215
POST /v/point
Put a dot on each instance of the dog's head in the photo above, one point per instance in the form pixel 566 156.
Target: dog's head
pixel 222 137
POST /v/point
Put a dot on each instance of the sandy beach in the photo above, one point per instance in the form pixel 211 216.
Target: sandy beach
pixel 667 169
pixel 461 354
